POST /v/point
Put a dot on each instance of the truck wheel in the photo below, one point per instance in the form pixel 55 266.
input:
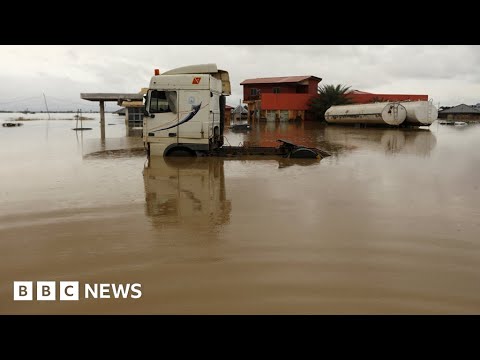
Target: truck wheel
pixel 181 152
pixel 303 153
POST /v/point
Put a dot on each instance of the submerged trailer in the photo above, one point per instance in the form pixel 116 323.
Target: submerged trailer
pixel 185 116
pixel 390 113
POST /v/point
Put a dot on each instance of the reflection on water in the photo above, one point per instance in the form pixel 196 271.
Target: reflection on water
pixel 339 139
pixel 419 142
pixel 286 162
pixel 187 192
pixel 309 134
pixel 266 133
pixel 108 146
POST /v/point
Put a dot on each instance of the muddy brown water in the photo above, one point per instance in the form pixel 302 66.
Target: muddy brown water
pixel 389 224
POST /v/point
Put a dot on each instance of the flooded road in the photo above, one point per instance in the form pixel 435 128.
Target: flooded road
pixel 389 224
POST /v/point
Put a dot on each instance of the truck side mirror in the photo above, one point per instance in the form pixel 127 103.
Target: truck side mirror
pixel 147 114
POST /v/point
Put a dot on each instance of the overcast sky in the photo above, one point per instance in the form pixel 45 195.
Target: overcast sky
pixel 449 74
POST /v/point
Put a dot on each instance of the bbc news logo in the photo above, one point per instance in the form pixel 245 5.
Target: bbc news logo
pixel 70 291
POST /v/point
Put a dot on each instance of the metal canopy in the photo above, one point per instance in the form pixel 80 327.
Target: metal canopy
pixel 110 96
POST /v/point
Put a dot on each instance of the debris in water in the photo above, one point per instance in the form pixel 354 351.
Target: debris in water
pixel 11 124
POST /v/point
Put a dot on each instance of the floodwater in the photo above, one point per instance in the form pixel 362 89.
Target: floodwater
pixel 389 224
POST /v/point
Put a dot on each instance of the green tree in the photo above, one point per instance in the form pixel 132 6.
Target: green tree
pixel 328 95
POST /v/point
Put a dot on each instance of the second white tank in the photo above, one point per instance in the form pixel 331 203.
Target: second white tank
pixel 420 112
pixel 390 113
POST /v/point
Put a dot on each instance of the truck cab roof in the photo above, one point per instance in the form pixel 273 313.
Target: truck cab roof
pixel 198 70
pixel 193 69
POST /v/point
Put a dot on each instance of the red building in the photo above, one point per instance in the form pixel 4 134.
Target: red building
pixel 362 97
pixel 280 98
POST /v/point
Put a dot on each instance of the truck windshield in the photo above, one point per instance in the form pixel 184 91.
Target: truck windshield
pixel 163 101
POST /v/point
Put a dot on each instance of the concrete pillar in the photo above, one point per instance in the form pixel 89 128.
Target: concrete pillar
pixel 102 119
pixel 126 122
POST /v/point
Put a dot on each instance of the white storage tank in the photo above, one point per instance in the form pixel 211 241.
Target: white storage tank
pixel 420 112
pixel 386 113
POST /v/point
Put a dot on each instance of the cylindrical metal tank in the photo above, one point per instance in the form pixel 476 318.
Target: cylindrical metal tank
pixel 389 113
pixel 420 112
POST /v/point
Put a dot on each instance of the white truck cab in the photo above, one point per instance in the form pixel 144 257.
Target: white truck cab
pixel 185 110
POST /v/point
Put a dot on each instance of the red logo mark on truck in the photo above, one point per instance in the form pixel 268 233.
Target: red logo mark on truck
pixel 196 80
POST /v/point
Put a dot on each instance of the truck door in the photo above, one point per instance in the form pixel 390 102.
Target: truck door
pixel 163 107
pixel 193 114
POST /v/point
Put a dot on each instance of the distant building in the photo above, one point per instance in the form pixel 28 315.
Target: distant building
pixel 228 113
pixel 280 98
pixel 134 110
pixel 460 112
pixel 134 113
pixel 362 97
pixel 239 113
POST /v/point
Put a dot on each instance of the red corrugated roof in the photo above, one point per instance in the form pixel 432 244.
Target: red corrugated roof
pixel 280 79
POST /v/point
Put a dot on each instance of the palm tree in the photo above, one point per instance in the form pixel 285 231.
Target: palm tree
pixel 328 95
